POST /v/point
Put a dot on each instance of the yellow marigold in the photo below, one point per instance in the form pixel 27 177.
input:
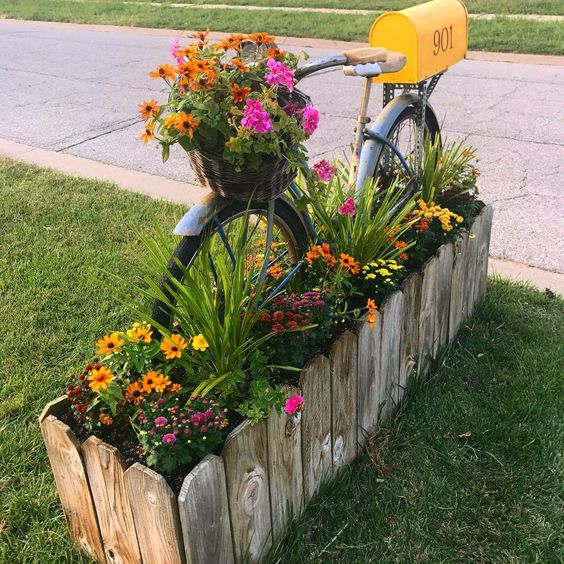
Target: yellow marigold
pixel 140 332
pixel 161 383
pixel 100 378
pixel 105 419
pixel 110 344
pixel 199 343
pixel 173 346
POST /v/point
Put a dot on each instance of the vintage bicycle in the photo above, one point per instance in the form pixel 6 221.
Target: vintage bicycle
pixel 424 41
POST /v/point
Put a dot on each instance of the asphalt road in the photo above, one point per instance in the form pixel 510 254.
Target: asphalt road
pixel 76 91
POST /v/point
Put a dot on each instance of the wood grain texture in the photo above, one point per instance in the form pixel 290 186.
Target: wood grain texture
pixel 285 465
pixel 483 254
pixel 155 513
pixel 411 289
pixel 63 449
pixel 457 286
pixel 445 257
pixel 105 470
pixel 369 395
pixel 343 359
pixel 427 314
pixel 204 514
pixel 315 382
pixel 392 316
pixel 470 268
pixel 246 470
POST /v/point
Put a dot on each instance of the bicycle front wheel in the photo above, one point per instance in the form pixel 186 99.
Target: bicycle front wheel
pixel 289 242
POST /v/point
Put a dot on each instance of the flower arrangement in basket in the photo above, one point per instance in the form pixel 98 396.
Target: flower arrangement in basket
pixel 233 107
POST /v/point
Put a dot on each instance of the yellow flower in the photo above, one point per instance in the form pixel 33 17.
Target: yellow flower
pixel 370 276
pixel 134 393
pixel 199 343
pixel 140 333
pixel 100 378
pixel 110 344
pixel 149 381
pixel 384 272
pixel 173 346
pixel 161 383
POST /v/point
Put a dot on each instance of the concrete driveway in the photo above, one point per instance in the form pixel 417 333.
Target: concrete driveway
pixel 74 90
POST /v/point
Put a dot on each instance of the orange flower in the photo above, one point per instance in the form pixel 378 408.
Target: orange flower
pixel 400 245
pixel 105 419
pixel 404 256
pixel 163 71
pixel 161 383
pixel 148 134
pixel 276 53
pixel 239 94
pixel 348 263
pixel 100 378
pixel 371 307
pixel 173 346
pixel 187 70
pixel 312 254
pixel 231 42
pixel 201 37
pixel 186 124
pixel 263 38
pixel 148 109
pixel 110 344
pixel 170 121
pixel 175 387
pixel 134 393
pixel 238 64
pixel 149 381
pixel 275 271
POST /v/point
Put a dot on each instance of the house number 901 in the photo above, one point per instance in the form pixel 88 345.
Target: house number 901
pixel 442 40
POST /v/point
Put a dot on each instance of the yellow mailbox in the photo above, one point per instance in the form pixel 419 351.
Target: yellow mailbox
pixel 433 36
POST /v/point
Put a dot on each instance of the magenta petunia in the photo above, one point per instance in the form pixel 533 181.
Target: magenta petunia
pixel 310 119
pixel 255 117
pixel 169 439
pixel 293 404
pixel 323 170
pixel 279 74
pixel 347 208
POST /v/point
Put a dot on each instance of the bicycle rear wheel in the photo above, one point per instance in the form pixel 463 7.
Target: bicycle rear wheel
pixel 290 241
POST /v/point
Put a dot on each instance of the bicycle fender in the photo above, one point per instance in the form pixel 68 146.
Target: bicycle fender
pixel 372 148
pixel 196 218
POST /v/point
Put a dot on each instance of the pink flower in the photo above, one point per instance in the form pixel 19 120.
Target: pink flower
pixel 280 74
pixel 255 117
pixel 174 48
pixel 169 439
pixel 310 119
pixel 161 421
pixel 323 170
pixel 347 208
pixel 293 404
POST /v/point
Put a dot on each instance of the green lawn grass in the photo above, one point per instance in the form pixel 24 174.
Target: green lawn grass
pixel 501 34
pixel 431 495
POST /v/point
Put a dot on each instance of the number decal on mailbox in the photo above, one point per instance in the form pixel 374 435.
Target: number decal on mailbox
pixel 442 40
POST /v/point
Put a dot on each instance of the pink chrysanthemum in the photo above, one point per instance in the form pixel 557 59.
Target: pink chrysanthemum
pixel 310 119
pixel 347 208
pixel 255 117
pixel 293 404
pixel 169 439
pixel 161 421
pixel 323 170
pixel 280 74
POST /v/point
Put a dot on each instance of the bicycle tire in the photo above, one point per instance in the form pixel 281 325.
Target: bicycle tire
pixel 286 218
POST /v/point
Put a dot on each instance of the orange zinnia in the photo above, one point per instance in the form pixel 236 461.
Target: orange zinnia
pixel 239 94
pixel 149 381
pixel 134 393
pixel 163 71
pixel 100 378
pixel 173 346
pixel 404 256
pixel 348 263
pixel 148 134
pixel 238 64
pixel 148 109
pixel 186 124
pixel 400 244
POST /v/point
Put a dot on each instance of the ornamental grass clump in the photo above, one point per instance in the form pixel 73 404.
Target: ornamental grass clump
pixel 235 97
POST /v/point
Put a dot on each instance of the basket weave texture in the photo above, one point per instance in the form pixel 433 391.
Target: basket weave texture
pixel 214 172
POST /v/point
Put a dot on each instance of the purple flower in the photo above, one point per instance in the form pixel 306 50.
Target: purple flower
pixel 320 304
pixel 291 108
pixel 161 421
pixel 255 117
pixel 323 170
pixel 280 74
pixel 347 208
pixel 310 119
pixel 169 439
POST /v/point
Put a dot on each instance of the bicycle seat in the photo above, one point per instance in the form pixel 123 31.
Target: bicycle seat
pixel 394 62
pixel 365 55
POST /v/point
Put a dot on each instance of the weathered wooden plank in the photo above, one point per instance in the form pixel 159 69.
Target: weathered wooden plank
pixel 204 514
pixel 105 470
pixel 343 359
pixel 470 268
pixel 315 382
pixel 155 513
pixel 457 286
pixel 427 314
pixel 370 396
pixel 285 468
pixel 63 449
pixel 411 289
pixel 392 316
pixel 246 471
pixel 483 254
pixel 445 256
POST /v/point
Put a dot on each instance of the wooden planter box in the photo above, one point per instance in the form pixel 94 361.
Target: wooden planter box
pixel 232 506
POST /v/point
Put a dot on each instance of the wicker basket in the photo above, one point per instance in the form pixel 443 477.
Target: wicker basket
pixel 214 172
